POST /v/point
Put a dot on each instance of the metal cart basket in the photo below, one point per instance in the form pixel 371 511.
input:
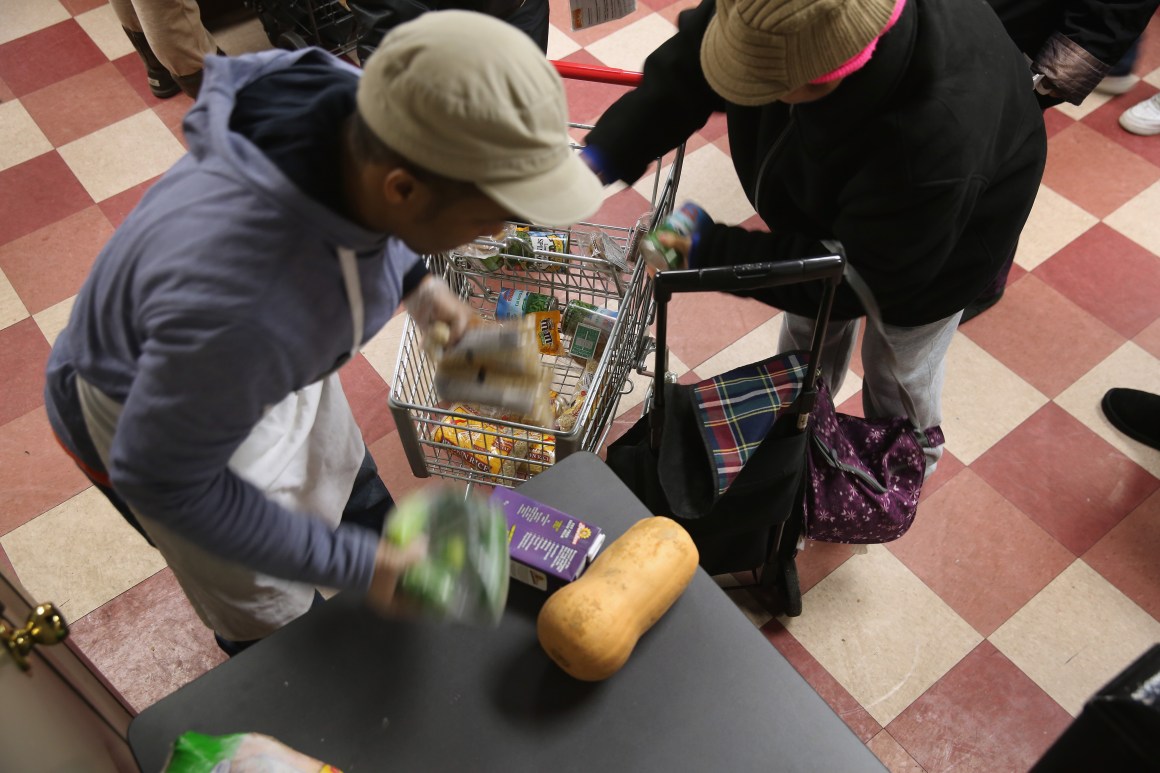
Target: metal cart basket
pixel 590 263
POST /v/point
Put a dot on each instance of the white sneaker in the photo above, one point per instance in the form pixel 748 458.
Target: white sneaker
pixel 1117 84
pixel 1144 118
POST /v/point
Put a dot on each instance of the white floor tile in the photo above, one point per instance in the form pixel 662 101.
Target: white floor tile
pixel 627 48
pixel 103 26
pixel 881 632
pixel 23 18
pixel 80 554
pixel 1075 635
pixel 12 309
pixel 53 319
pixel 1131 367
pixel 119 156
pixel 20 138
pixel 983 400
pixel 1137 219
pixel 1053 224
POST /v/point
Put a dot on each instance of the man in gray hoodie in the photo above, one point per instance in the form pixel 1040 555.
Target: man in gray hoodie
pixel 194 382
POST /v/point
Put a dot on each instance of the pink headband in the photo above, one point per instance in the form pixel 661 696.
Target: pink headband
pixel 861 58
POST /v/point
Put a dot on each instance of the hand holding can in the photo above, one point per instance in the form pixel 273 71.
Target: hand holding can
pixel 669 244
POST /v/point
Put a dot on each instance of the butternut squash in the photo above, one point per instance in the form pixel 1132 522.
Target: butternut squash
pixel 591 626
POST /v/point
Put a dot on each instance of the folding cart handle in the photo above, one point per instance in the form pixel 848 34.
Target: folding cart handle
pixel 745 276
pixel 596 74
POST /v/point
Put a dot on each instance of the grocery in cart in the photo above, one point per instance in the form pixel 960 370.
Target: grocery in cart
pixel 592 301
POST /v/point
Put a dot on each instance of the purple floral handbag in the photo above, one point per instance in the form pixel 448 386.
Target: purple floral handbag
pixel 864 475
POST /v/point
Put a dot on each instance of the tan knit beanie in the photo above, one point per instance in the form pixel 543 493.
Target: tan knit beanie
pixel 756 51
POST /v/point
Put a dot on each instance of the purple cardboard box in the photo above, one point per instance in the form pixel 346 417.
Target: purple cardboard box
pixel 548 548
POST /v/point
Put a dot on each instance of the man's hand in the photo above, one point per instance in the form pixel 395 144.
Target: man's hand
pixel 432 301
pixel 390 563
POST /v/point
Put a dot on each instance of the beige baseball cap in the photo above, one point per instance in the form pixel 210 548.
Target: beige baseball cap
pixel 472 98
pixel 756 51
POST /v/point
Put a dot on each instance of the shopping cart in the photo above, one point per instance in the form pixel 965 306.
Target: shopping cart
pixel 294 24
pixel 590 263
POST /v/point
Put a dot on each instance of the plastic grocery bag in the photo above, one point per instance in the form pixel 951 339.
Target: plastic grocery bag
pixel 464 576
pixel 239 753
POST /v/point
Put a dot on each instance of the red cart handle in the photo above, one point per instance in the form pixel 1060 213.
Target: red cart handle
pixel 597 74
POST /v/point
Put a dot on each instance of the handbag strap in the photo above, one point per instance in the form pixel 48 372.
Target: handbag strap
pixel 932 435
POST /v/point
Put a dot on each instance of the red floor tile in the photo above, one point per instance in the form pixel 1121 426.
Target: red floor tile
pixel 66 110
pixel 702 324
pixel 1043 336
pixel 983 715
pixel 49 265
pixel 394 468
pixel 622 209
pixel 1055 122
pixel 23 355
pixel 35 474
pixel 892 755
pixel 842 702
pixel 818 559
pixel 37 193
pixel 1149 339
pixel 1106 121
pixel 1108 275
pixel 117 208
pixel 949 466
pixel 1095 172
pixel 588 100
pixel 6 94
pixel 49 55
pixel 979 553
pixel 1065 477
pixel 1127 556
pixel 148 641
pixel 367 394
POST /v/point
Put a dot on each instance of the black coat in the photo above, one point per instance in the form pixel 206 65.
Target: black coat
pixel 924 163
pixel 1073 42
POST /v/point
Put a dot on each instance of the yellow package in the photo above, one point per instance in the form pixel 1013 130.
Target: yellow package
pixel 469 436
pixel 548 331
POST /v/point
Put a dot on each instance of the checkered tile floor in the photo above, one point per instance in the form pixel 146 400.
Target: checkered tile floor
pixel 1029 579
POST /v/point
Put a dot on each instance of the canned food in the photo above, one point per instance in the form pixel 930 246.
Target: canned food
pixel 516 303
pixel 683 222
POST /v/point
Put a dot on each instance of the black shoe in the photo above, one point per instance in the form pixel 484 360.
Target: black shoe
pixel 1135 413
pixel 161 82
pixel 979 305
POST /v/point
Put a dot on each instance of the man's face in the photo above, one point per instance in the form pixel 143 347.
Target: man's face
pixel 445 225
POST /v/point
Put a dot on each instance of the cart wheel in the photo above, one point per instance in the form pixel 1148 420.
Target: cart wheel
pixel 791 589
pixel 290 41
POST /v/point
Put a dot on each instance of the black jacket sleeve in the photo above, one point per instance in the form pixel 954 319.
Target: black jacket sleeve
pixel 673 101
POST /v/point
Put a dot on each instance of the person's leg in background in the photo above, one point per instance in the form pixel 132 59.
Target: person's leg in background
pixel 919 357
pixel 170 38
pixel 1119 79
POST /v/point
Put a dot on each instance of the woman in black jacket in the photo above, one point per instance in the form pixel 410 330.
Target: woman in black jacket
pixel 907 130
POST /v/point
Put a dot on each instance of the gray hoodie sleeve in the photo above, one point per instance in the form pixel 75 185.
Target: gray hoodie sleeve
pixel 206 384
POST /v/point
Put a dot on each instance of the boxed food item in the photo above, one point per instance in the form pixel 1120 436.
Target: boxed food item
pixel 548 548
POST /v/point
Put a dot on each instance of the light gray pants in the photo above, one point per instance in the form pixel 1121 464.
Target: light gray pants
pixel 173 29
pixel 919 366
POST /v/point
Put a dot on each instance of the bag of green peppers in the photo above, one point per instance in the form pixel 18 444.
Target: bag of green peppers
pixel 464 576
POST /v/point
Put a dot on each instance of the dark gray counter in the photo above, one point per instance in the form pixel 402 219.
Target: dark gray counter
pixel 704 690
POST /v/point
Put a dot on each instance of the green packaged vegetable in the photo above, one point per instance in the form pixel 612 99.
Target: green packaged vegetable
pixel 464 576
